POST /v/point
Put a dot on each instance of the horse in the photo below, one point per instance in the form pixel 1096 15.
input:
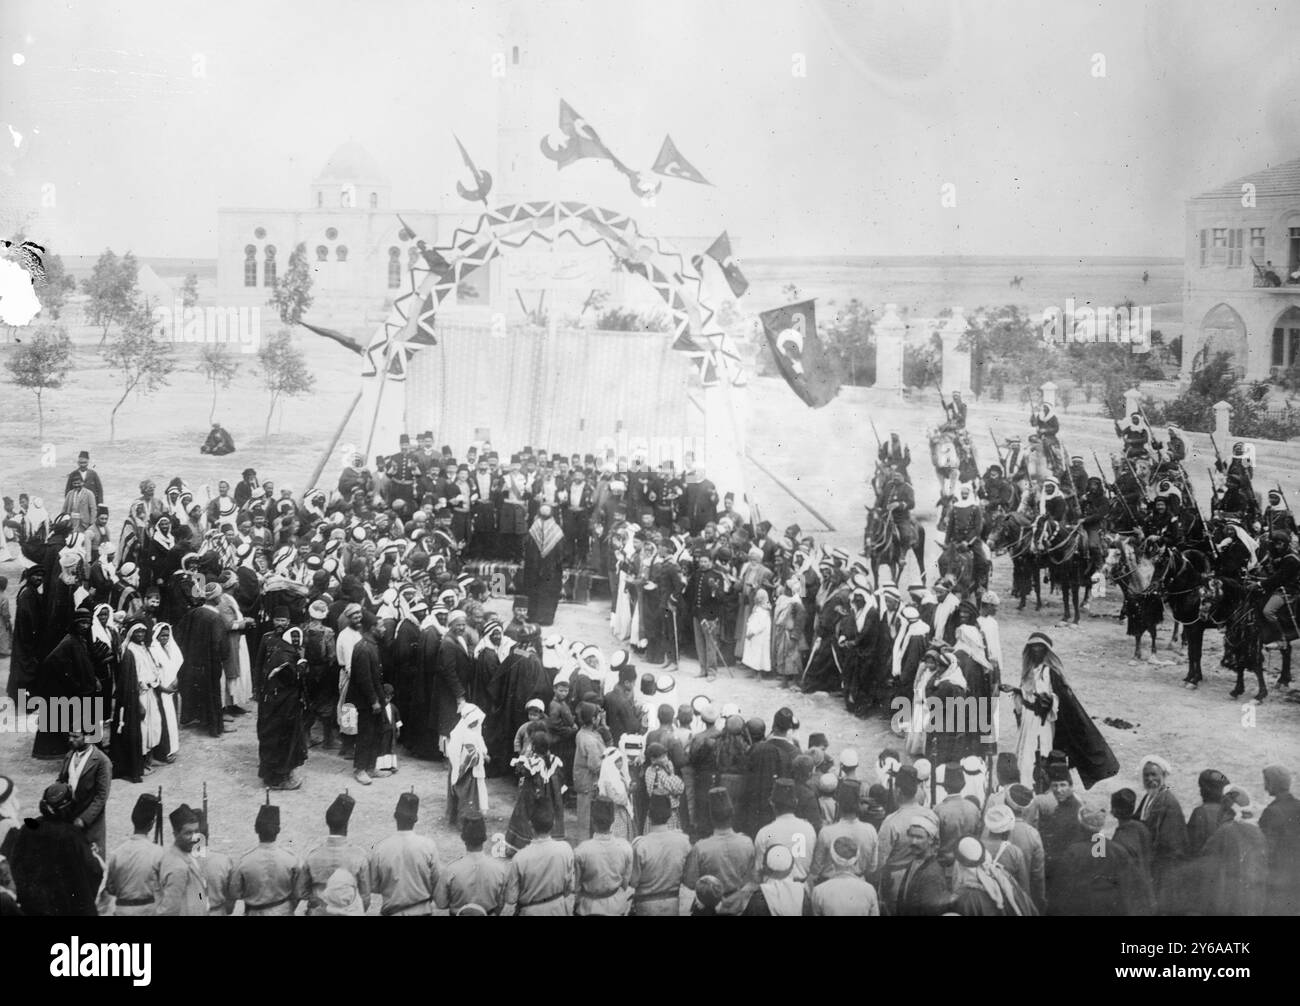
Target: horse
pixel 883 544
pixel 1196 601
pixel 1134 574
pixel 958 560
pixel 1063 548
pixel 1014 534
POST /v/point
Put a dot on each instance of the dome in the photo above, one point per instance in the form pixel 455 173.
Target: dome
pixel 351 163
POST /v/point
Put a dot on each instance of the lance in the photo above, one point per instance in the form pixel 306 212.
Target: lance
pixel 1102 472
pixel 1191 493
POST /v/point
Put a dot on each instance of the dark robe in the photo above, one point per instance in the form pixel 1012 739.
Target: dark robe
pixel 922 889
pixel 455 672
pixel 769 760
pixel 528 679
pixel 1280 823
pixel 27 650
pixel 419 735
pixel 55 870
pixel 1079 737
pixel 1133 837
pixel 1230 877
pixel 281 738
pixel 543 571
pixel 1164 819
pixel 219 442
pixel 67 673
pixel 201 635
pixel 492 688
pixel 533 789
pixel 405 669
pixel 126 744
pixel 1094 880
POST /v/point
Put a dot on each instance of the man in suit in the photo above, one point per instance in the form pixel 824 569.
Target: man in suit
pixel 89 774
pixel 483 514
pixel 576 506
pixel 89 477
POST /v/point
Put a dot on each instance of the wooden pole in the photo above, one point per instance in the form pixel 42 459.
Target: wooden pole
pixel 334 440
pixel 379 399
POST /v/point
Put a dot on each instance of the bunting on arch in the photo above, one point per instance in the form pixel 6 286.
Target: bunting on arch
pixel 438 271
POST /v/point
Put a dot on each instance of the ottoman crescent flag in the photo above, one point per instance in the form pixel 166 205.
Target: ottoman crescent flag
pixel 792 336
pixel 672 164
pixel 720 252
pixel 575 140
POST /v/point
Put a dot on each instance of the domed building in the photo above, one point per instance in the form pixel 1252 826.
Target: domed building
pixel 358 250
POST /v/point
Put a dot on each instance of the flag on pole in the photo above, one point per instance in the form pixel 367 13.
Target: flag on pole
pixel 720 252
pixel 482 179
pixel 672 164
pixel 575 141
pixel 792 336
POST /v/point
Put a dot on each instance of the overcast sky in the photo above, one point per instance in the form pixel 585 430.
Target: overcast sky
pixel 998 99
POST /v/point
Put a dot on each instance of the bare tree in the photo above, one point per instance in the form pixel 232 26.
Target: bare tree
pixel 40 365
pixel 143 362
pixel 218 368
pixel 284 371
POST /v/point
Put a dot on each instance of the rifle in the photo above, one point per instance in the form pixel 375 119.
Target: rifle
pixel 875 434
pixel 1187 485
pixel 1102 472
pixel 998 450
pixel 158 821
pixel 204 827
pixel 942 401
pixel 1218 458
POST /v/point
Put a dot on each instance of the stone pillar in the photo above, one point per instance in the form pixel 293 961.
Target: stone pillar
pixel 956 361
pixel 1222 414
pixel 891 336
pixel 1132 402
pixel 1049 393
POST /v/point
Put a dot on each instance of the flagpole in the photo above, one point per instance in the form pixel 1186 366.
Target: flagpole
pixel 379 398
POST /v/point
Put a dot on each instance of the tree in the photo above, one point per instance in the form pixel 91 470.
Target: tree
pixel 218 368
pixel 143 361
pixel 40 364
pixel 284 371
pixel 850 342
pixel 111 288
pixel 292 294
pixel 190 290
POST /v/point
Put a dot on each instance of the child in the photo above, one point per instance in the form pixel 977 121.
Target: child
pixel 827 784
pixel 562 727
pixel 388 734
pixel 535 709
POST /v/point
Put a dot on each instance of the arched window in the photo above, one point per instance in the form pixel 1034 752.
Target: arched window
pixel 341 253
pixel 374 200
pixel 250 265
pixel 268 270
pixel 514 55
pixel 394 268
pixel 322 253
pixel 412 256
pixel 320 199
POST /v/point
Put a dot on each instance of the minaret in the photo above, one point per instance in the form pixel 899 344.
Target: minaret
pixel 518 131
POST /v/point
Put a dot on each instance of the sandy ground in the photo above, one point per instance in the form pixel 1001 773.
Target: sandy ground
pixel 823 456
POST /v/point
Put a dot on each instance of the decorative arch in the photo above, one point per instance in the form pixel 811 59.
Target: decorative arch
pixel 438 271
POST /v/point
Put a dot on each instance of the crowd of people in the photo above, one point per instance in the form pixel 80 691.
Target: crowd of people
pixel 360 621
pixel 826 841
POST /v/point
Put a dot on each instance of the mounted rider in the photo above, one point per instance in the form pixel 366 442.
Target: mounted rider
pixel 997 491
pixel 1094 508
pixel 1052 505
pixel 899 501
pixel 1237 499
pixel 1277 515
pixel 1161 523
pixel 1078 475
pixel 1172 496
pixel 1281 581
pixel 1048 428
pixel 955 413
pixel 966 523
pixel 1136 434
pixel 894 456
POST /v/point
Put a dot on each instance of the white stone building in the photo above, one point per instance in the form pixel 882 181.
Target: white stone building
pixel 1242 268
